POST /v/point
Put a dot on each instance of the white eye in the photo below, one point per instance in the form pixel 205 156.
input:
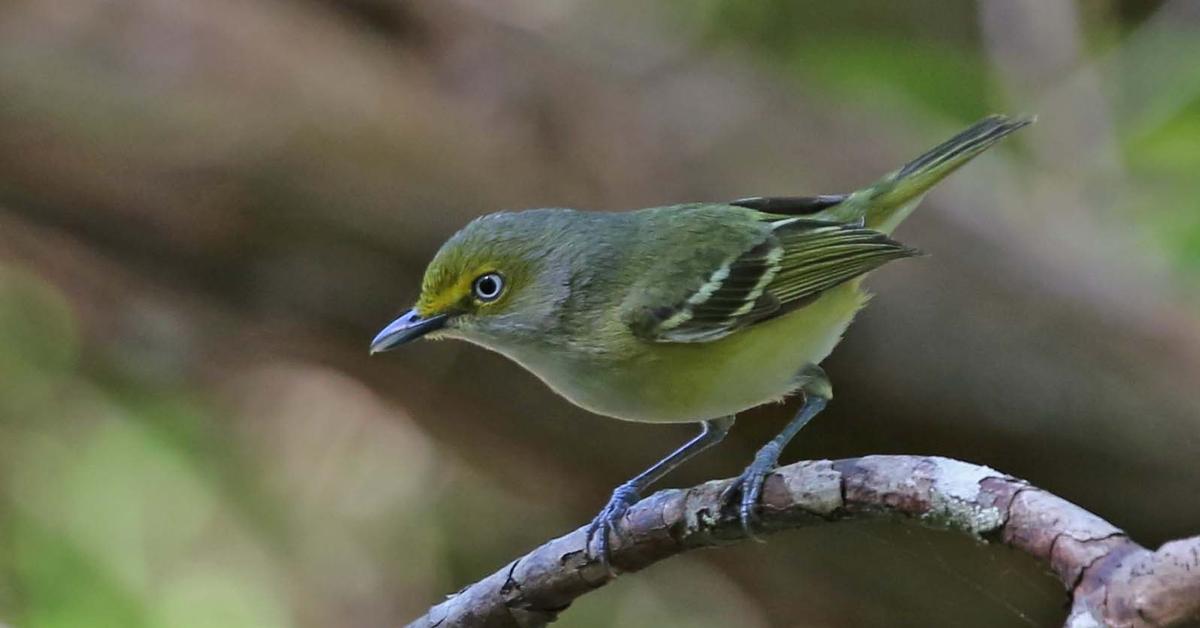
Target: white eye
pixel 488 287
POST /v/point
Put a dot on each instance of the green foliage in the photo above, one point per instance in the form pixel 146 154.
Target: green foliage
pixel 937 77
pixel 107 523
pixel 926 60
pixel 1166 159
pixel 63 585
pixel 882 56
pixel 39 342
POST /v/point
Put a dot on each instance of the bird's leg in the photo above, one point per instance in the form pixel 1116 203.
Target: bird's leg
pixel 627 494
pixel 817 392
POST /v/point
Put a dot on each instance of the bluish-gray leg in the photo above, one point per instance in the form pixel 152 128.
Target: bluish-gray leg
pixel 627 494
pixel 817 392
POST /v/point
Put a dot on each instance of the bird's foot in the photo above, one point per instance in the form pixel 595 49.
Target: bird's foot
pixel 745 492
pixel 622 498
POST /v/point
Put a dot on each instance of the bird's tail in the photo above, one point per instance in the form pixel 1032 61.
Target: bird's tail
pixel 890 200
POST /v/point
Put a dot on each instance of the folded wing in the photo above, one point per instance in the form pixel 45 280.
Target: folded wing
pixel 797 261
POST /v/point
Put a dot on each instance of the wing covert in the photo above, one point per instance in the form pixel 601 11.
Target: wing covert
pixel 797 261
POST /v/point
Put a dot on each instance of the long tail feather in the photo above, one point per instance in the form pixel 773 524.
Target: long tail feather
pixel 889 201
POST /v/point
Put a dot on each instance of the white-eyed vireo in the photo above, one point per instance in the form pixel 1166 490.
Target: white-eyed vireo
pixel 687 313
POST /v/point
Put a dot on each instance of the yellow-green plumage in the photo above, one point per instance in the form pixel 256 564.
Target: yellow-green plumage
pixel 689 382
pixel 678 314
pixel 682 313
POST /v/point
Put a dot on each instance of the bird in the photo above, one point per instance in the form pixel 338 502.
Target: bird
pixel 688 313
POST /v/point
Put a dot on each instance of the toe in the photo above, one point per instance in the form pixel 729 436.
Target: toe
pixel 730 495
pixel 605 522
pixel 751 492
pixel 597 537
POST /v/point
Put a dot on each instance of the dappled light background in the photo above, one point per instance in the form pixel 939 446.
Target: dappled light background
pixel 208 207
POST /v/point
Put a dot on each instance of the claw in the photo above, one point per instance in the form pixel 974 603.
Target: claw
pixel 743 494
pixel 749 486
pixel 598 530
pixel 747 513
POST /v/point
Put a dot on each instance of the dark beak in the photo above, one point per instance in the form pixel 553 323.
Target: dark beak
pixel 408 327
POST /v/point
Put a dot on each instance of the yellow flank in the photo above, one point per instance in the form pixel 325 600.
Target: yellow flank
pixel 685 382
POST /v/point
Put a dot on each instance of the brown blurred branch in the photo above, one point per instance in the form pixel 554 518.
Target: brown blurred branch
pixel 1112 580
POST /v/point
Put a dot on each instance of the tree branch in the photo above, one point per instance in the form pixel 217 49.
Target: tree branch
pixel 1112 580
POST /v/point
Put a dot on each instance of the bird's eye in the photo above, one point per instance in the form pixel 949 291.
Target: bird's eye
pixel 488 287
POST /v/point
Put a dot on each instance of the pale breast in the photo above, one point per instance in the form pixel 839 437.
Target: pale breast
pixel 678 382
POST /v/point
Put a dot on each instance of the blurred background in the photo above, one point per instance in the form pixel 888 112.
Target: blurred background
pixel 208 207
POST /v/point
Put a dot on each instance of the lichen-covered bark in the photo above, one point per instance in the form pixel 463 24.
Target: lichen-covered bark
pixel 1112 580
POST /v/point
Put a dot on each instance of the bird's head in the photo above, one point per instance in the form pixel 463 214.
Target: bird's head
pixel 491 283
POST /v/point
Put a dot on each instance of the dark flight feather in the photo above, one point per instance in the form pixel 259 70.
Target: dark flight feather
pixel 798 260
pixel 791 205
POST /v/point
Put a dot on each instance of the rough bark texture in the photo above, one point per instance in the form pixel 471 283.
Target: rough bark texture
pixel 1112 580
